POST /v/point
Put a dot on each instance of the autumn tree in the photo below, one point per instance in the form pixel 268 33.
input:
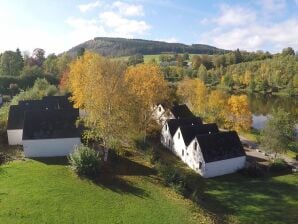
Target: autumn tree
pixel 148 86
pixel 217 106
pixel 193 92
pixel 238 115
pixel 97 86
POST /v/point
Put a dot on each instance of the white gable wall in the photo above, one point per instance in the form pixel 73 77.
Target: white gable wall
pixel 179 145
pixel 166 137
pixel 223 167
pixel 196 161
pixel 161 114
pixel 15 136
pixel 50 147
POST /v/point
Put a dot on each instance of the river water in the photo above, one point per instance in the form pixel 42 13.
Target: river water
pixel 261 107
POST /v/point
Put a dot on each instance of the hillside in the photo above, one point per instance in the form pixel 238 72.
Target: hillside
pixel 124 47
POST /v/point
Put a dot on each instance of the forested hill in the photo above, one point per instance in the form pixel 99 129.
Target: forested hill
pixel 124 47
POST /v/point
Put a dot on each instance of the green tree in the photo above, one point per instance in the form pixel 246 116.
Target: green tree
pixel 136 59
pixel 11 63
pixel 202 73
pixel 278 132
pixel 288 51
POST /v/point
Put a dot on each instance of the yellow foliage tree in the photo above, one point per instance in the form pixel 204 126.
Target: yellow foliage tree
pixel 217 106
pixel 238 115
pixel 97 86
pixel 194 93
pixel 148 86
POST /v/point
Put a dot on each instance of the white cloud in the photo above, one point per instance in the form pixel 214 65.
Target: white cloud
pixel 255 36
pixel 126 9
pixel 121 25
pixel 89 6
pixel 108 23
pixel 235 15
pixel 273 6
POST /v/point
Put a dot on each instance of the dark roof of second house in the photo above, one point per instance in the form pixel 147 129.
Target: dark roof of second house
pixel 15 118
pixel 181 111
pixel 58 102
pixel 173 124
pixel 50 124
pixel 190 131
pixel 220 146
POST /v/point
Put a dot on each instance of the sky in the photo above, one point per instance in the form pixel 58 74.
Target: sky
pixel 58 25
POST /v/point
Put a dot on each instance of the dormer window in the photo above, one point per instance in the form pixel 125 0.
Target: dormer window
pixel 159 109
pixel 195 146
pixel 178 135
pixel 166 127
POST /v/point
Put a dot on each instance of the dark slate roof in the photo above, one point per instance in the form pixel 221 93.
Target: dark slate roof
pixel 49 124
pixel 173 124
pixel 190 131
pixel 58 102
pixel 220 146
pixel 32 104
pixel 181 111
pixel 15 118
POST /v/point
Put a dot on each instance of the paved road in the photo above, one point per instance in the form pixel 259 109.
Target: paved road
pixel 252 149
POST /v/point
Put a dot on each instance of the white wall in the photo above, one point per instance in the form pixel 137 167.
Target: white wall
pixel 15 136
pixel 166 137
pixel 179 145
pixel 161 114
pixel 50 147
pixel 223 167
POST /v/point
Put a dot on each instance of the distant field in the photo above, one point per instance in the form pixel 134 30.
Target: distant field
pixel 49 192
pixel 147 58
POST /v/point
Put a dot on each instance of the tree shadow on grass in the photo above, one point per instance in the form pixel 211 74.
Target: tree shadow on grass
pixel 120 186
pixel 127 167
pixel 261 200
pixel 59 160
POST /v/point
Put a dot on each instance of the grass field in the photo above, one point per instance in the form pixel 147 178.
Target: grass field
pixel 49 192
pixel 148 58
pixel 240 199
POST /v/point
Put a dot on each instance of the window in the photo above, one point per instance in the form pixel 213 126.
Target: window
pixel 187 154
pixel 200 165
pixel 169 142
pixel 159 109
pixel 178 135
pixel 182 152
pixel 166 127
pixel 195 146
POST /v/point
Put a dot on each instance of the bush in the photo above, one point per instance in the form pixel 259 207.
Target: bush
pixel 154 156
pixel 85 161
pixel 3 158
pixel 278 165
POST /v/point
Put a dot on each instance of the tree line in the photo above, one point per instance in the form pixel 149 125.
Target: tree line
pixel 18 71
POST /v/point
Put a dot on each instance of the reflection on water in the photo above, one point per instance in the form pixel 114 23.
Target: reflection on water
pixel 261 106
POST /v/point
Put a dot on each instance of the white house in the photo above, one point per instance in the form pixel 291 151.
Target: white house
pixel 185 134
pixel 170 127
pixel 16 114
pixel 162 112
pixel 217 154
pixel 50 133
pixel 15 125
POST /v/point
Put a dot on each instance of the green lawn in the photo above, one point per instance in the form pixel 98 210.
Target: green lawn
pixel 49 192
pixel 239 199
